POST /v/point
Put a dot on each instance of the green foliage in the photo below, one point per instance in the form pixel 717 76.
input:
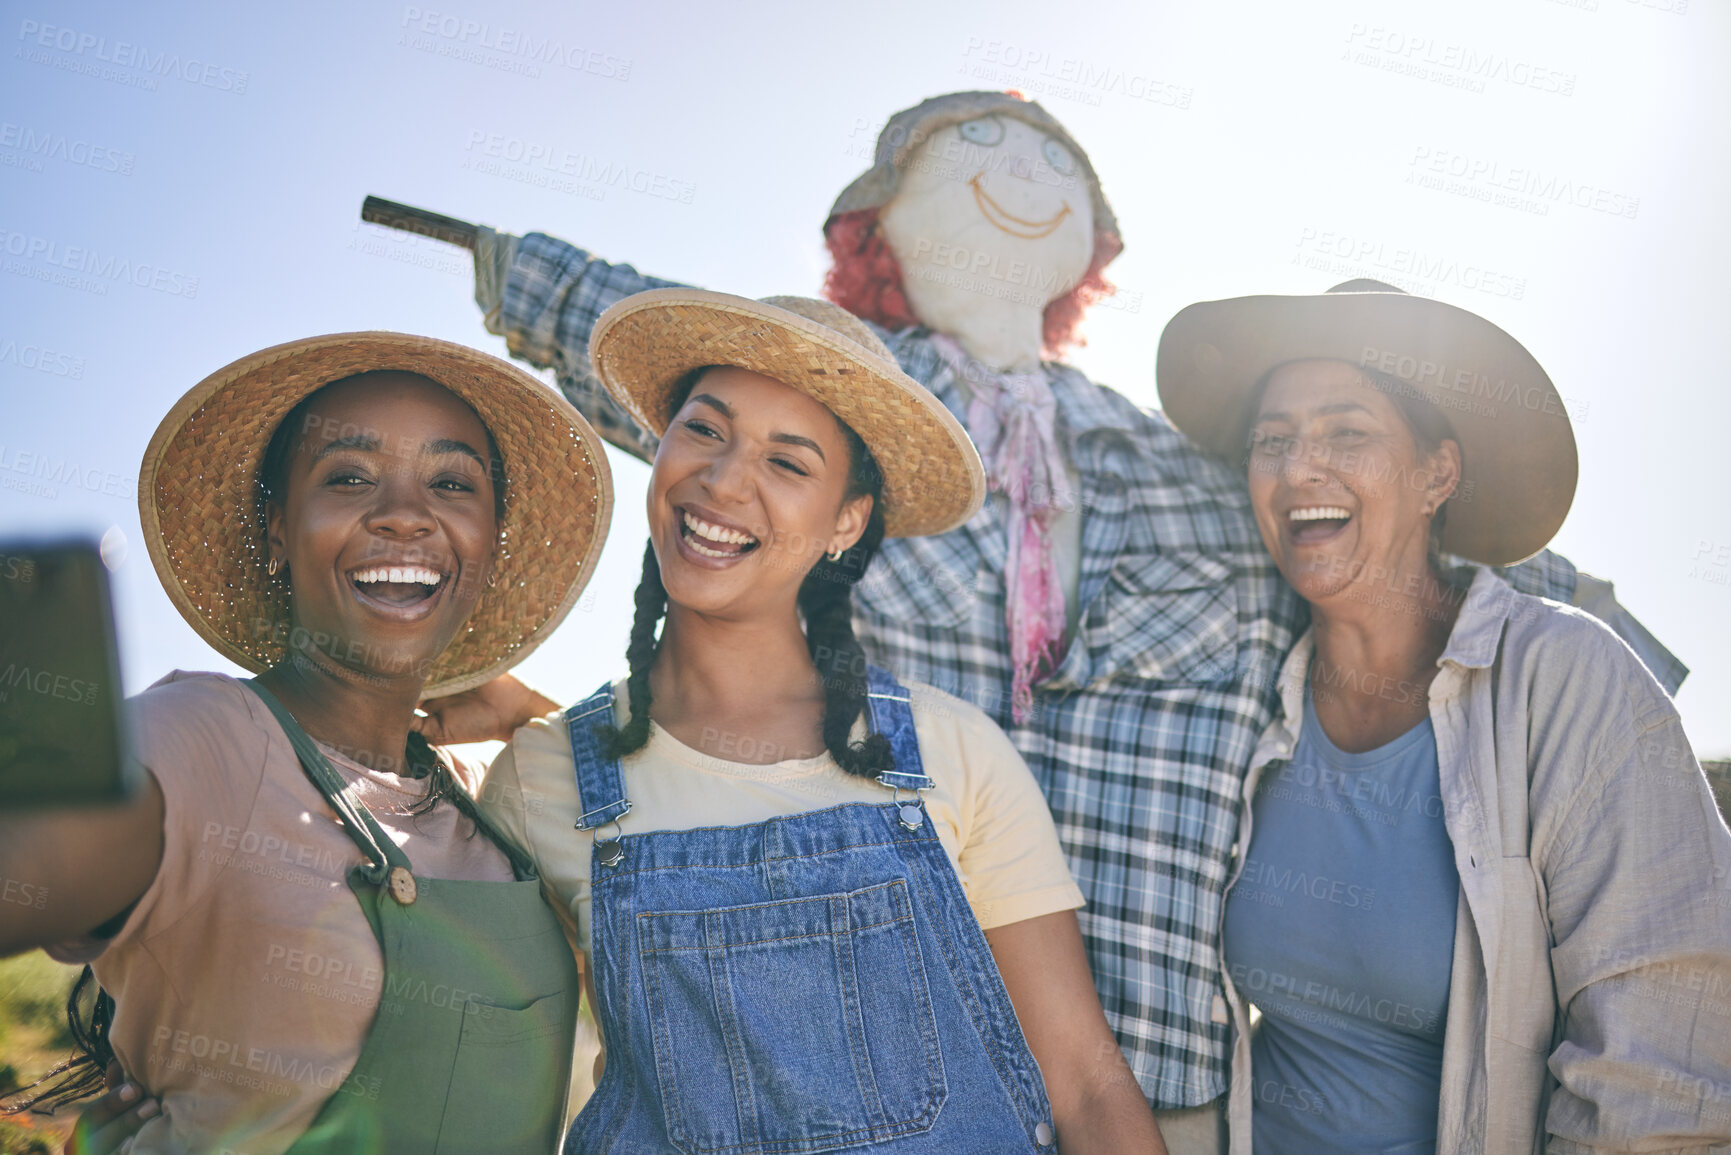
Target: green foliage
pixel 16 1140
pixel 33 990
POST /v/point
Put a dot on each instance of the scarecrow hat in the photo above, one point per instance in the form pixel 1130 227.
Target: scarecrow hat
pixel 1519 464
pixel 201 502
pixel 644 345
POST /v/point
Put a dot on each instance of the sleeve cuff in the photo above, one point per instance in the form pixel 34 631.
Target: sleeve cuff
pixel 1032 904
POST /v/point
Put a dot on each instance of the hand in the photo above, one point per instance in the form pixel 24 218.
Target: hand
pixel 489 713
pixel 110 1121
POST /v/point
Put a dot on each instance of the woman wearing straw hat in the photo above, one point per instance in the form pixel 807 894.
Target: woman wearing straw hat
pixel 783 858
pixel 307 945
pixel 1482 901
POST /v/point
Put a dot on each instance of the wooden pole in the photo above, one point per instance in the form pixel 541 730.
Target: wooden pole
pixel 379 211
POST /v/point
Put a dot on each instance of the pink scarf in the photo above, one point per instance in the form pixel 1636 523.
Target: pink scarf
pixel 1011 418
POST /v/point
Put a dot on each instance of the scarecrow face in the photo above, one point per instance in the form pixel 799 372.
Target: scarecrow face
pixel 993 207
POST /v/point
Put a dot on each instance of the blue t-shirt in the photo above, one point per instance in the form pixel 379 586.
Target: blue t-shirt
pixel 1341 931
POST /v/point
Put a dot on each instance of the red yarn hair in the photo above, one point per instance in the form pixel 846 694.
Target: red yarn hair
pixel 866 279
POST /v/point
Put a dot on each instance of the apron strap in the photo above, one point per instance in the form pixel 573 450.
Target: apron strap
pixel 892 716
pixel 600 785
pixel 363 829
pixel 374 844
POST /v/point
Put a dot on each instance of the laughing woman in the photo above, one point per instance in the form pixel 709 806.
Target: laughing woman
pixel 783 860
pixel 314 939
pixel 1482 904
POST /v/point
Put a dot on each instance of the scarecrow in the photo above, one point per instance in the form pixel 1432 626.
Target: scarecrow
pixel 1111 606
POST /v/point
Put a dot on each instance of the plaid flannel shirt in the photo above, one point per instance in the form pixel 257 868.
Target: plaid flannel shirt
pixel 1143 736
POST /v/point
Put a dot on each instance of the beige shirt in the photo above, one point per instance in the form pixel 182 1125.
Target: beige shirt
pixel 1590 991
pixel 986 808
pixel 247 977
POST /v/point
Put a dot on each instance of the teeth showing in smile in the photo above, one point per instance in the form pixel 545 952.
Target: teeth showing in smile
pixel 699 532
pixel 400 575
pixel 1320 513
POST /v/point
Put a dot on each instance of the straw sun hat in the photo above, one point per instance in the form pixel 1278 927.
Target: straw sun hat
pixel 644 346
pixel 1519 466
pixel 200 503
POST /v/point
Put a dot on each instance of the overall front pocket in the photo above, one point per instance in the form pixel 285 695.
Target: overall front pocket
pixel 796 1026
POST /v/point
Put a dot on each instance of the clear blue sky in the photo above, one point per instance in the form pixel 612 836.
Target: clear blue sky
pixel 1559 166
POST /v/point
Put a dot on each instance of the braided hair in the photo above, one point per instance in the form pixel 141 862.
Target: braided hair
pixel 825 601
pixel 89 1015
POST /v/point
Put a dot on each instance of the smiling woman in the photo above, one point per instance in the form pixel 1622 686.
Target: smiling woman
pixel 1477 839
pixel 306 945
pixel 823 910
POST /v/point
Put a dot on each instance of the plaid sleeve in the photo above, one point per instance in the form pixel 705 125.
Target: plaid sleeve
pixel 1544 575
pixel 553 297
pixel 1551 575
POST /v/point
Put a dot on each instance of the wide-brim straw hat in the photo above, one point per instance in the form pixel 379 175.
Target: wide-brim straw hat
pixel 907 130
pixel 644 345
pixel 200 501
pixel 1519 462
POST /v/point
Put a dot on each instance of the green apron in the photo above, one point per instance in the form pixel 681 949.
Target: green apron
pixel 470 1050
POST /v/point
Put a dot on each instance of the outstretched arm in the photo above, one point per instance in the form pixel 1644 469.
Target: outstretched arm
pixel 1097 1105
pixel 1551 575
pixel 67 872
pixel 544 297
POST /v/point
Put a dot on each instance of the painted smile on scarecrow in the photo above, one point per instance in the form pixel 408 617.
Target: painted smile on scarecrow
pixel 1006 221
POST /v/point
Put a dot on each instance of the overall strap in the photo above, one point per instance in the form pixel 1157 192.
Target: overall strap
pixel 600 787
pixel 892 716
pixel 374 844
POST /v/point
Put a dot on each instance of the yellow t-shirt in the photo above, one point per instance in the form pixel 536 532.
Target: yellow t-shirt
pixel 987 809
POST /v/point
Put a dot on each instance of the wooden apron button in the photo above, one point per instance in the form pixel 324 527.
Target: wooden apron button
pixel 402 886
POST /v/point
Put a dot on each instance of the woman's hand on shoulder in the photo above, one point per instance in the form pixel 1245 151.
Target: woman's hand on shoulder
pixel 491 712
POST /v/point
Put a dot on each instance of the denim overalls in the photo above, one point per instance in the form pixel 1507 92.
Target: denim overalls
pixel 816 982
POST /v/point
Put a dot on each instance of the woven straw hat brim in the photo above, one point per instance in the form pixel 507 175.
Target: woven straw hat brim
pixel 1520 466
pixel 199 501
pixel 910 128
pixel 645 344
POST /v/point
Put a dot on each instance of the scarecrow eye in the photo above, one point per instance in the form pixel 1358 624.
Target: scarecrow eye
pixel 985 132
pixel 1058 157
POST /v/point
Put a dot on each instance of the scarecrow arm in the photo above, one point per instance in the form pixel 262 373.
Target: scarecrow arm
pixel 544 296
pixel 379 211
pixel 556 292
pixel 1551 575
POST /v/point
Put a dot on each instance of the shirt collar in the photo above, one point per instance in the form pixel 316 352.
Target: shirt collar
pixel 1472 644
pixel 1478 628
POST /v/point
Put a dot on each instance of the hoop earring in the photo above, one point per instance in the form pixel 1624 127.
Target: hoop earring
pixel 271 567
pixel 835 554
